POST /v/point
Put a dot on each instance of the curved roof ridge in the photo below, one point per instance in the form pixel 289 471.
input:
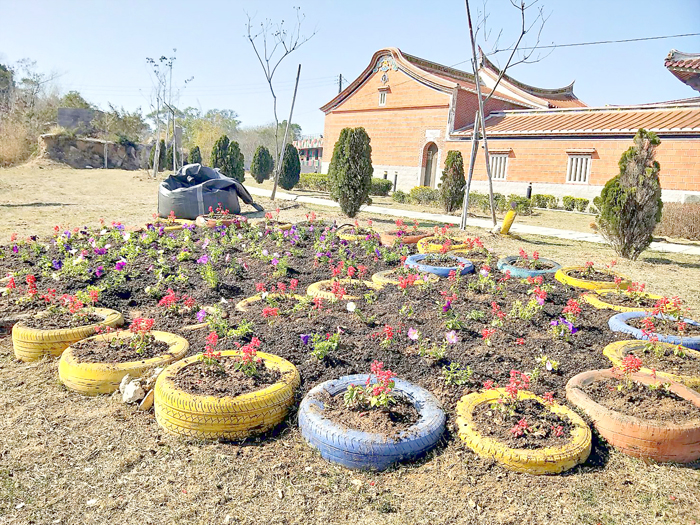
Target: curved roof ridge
pixel 532 90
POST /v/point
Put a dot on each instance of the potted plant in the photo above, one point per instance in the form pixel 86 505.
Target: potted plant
pixel 639 414
pixel 98 364
pixel 229 394
pixel 370 421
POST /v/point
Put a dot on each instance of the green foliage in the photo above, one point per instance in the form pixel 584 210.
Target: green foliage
pixel 400 196
pixel 380 187
pixel 195 156
pixel 235 163
pixel 568 203
pixel 350 171
pixel 169 158
pixel 452 185
pixel 545 201
pixel 631 201
pixel 314 181
pixel 481 201
pixel 581 204
pixel 291 168
pixel 262 164
pixel 73 99
pixel 120 123
pixel 597 203
pixel 424 195
pixel 219 153
pixel 161 157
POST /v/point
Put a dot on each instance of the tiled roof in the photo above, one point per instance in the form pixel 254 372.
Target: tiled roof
pixel 661 118
pixel 685 67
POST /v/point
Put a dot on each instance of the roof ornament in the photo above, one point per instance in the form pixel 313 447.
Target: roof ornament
pixel 385 63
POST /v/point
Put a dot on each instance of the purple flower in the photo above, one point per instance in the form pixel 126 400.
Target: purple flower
pixel 57 264
pixel 99 271
pixel 554 323
pixel 120 266
pixel 413 334
pixel 119 227
pixel 265 253
pixel 161 231
pixel 570 326
pixel 201 315
pixel 66 234
pixel 274 262
pixel 377 252
pixel 100 251
pixel 485 273
pixel 204 259
pixel 540 301
pixel 15 249
pixel 305 338
pixel 447 306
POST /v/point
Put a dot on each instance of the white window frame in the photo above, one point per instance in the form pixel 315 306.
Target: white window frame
pixel 578 168
pixel 382 98
pixel 499 166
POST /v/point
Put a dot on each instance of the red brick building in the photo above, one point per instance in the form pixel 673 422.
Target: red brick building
pixel 415 111
pixel 310 150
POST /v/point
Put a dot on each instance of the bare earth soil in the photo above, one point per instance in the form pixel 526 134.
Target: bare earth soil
pixel 67 458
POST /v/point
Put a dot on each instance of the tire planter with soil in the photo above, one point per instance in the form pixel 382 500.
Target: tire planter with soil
pixel 204 222
pixel 390 238
pixel 170 226
pixel 317 289
pixel 562 275
pixel 363 450
pixel 549 460
pixel 426 245
pixel 506 264
pixel 660 441
pixel 245 304
pixel 104 378
pixel 618 323
pixel 414 261
pixel 597 300
pixel 617 351
pixel 389 277
pixel 31 344
pixel 210 417
pixel 352 237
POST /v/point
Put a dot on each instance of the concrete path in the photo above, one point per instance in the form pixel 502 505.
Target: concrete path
pixel 479 223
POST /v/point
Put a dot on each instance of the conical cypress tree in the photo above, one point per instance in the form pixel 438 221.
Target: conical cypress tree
pixel 235 162
pixel 195 156
pixel 291 168
pixel 350 171
pixel 219 153
pixel 262 164
pixel 452 185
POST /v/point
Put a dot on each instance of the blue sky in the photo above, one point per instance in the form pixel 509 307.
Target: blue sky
pixel 99 47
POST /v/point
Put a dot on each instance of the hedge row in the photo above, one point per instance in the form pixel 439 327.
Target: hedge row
pixel 568 202
pixel 320 182
pixel 480 201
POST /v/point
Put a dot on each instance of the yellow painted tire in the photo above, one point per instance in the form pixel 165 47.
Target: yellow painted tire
pixel 210 417
pixel 281 226
pixel 316 289
pixel 31 344
pixel 426 245
pixel 563 277
pixel 549 460
pixel 596 301
pixel 245 304
pixel 351 237
pixel 104 378
pixel 617 351
pixel 387 277
pixel 179 223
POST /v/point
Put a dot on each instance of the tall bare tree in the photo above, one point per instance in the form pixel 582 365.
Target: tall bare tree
pixel 272 43
pixel 517 56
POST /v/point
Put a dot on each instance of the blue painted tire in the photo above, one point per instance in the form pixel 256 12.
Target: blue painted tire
pixel 506 264
pixel 618 323
pixel 364 450
pixel 414 261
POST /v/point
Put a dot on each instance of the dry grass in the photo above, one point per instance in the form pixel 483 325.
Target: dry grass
pixel 16 143
pixel 67 459
pixel 680 221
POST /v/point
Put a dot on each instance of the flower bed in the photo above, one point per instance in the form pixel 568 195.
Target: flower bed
pixel 590 278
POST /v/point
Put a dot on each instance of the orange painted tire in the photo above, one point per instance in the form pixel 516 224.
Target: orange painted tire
pixel 390 238
pixel 597 300
pixel 31 344
pixel 563 277
pixel 549 460
pixel 617 351
pixel 316 289
pixel 90 378
pixel 660 441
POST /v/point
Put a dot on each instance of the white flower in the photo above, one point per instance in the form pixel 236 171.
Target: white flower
pixel 264 295
pixel 127 236
pixel 548 366
pixel 351 307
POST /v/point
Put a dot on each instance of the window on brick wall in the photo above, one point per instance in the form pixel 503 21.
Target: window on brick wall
pixel 382 98
pixel 578 169
pixel 499 165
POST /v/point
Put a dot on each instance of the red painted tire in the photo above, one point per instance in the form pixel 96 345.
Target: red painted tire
pixel 634 436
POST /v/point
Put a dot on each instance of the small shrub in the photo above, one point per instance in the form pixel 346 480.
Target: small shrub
pixel 452 185
pixel 169 158
pixel 522 205
pixel 631 201
pixel 262 164
pixel 400 196
pixel 291 168
pixel 195 156
pixel 234 165
pixel 424 195
pixel 680 221
pixel 544 201
pixel 581 204
pixel 350 171
pixel 313 181
pixel 219 153
pixel 569 202
pixel 380 187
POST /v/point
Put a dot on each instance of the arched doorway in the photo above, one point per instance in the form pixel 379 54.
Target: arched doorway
pixel 430 165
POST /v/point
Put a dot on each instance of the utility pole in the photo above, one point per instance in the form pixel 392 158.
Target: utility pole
pixel 284 140
pixel 472 160
pixel 340 83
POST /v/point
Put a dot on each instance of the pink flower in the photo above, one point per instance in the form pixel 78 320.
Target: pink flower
pixel 451 337
pixel 413 334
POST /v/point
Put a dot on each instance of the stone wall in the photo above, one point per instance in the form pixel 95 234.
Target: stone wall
pixel 84 153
